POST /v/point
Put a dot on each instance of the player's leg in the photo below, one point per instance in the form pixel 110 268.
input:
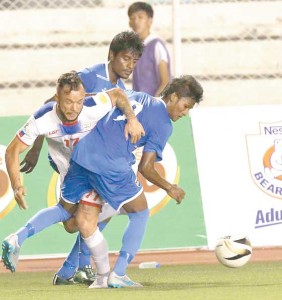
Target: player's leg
pixel 87 217
pixel 67 273
pixel 76 185
pixel 127 193
pixel 77 266
pixel 138 214
pixel 43 219
pixel 78 263
pixel 85 273
pixel 71 271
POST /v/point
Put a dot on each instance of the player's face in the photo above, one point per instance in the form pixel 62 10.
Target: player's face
pixel 140 23
pixel 178 108
pixel 70 103
pixel 123 63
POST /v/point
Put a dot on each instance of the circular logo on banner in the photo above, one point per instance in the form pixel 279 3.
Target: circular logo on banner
pixel 272 161
pixel 156 197
pixel 7 201
pixel 265 158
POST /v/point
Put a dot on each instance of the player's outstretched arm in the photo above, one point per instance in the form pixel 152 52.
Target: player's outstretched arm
pixel 147 169
pixel 133 127
pixel 31 158
pixel 14 149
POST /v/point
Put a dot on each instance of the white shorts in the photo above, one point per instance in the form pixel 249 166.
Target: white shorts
pixel 92 199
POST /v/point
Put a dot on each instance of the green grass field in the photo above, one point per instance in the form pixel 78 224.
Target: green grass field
pixel 208 282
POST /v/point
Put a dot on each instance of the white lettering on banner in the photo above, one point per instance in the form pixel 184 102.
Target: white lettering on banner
pixel 269 218
pixel 265 158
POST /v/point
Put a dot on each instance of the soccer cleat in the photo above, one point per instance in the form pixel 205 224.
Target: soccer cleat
pixel 85 275
pixel 61 281
pixel 10 252
pixel 116 281
pixel 101 282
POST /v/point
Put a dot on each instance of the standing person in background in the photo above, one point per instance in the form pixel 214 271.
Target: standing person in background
pixel 152 72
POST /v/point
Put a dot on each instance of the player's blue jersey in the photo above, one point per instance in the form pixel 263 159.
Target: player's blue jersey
pixel 96 79
pixel 105 150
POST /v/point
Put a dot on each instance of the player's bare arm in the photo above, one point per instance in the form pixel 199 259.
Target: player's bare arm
pixel 14 149
pixel 31 158
pixel 133 127
pixel 147 169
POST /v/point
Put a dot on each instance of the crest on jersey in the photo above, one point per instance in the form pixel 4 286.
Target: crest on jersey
pixel 265 158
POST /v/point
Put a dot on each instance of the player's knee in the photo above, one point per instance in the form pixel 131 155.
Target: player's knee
pixel 86 219
pixel 70 225
pixel 83 223
pixel 70 208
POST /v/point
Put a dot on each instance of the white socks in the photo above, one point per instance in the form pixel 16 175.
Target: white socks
pixel 98 248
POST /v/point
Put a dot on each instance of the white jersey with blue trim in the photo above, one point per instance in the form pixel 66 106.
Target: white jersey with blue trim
pixel 96 79
pixel 62 138
pixel 105 150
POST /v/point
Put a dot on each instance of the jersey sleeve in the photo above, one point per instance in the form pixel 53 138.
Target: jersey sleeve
pixel 88 79
pixel 103 105
pixel 29 132
pixel 158 139
pixel 160 53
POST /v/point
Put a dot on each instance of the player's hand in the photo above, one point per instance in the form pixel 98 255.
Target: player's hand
pixel 19 194
pixel 135 129
pixel 30 161
pixel 176 193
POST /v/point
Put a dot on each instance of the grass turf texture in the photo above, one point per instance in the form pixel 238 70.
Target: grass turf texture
pixel 253 281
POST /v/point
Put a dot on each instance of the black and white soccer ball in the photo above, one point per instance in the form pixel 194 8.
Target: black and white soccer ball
pixel 233 251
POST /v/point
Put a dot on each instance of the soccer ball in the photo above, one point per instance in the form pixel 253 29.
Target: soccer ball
pixel 233 251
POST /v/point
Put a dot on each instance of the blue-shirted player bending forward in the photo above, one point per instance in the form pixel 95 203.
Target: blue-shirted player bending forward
pixel 102 161
pixel 124 51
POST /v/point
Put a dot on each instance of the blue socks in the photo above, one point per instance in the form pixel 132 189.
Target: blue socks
pixel 102 225
pixel 84 256
pixel 78 257
pixel 131 240
pixel 43 219
pixel 70 264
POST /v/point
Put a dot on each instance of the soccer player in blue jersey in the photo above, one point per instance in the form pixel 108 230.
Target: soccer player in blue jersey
pixel 63 123
pixel 124 51
pixel 102 161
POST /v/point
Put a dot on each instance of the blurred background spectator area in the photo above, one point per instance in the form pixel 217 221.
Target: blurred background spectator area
pixel 233 47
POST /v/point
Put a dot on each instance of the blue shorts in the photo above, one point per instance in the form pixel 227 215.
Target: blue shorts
pixel 116 190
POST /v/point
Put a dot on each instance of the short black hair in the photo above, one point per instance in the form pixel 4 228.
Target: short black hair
pixel 71 79
pixel 184 86
pixel 127 41
pixel 137 6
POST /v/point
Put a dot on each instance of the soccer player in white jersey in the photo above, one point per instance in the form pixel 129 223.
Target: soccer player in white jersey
pixel 63 123
pixel 124 51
